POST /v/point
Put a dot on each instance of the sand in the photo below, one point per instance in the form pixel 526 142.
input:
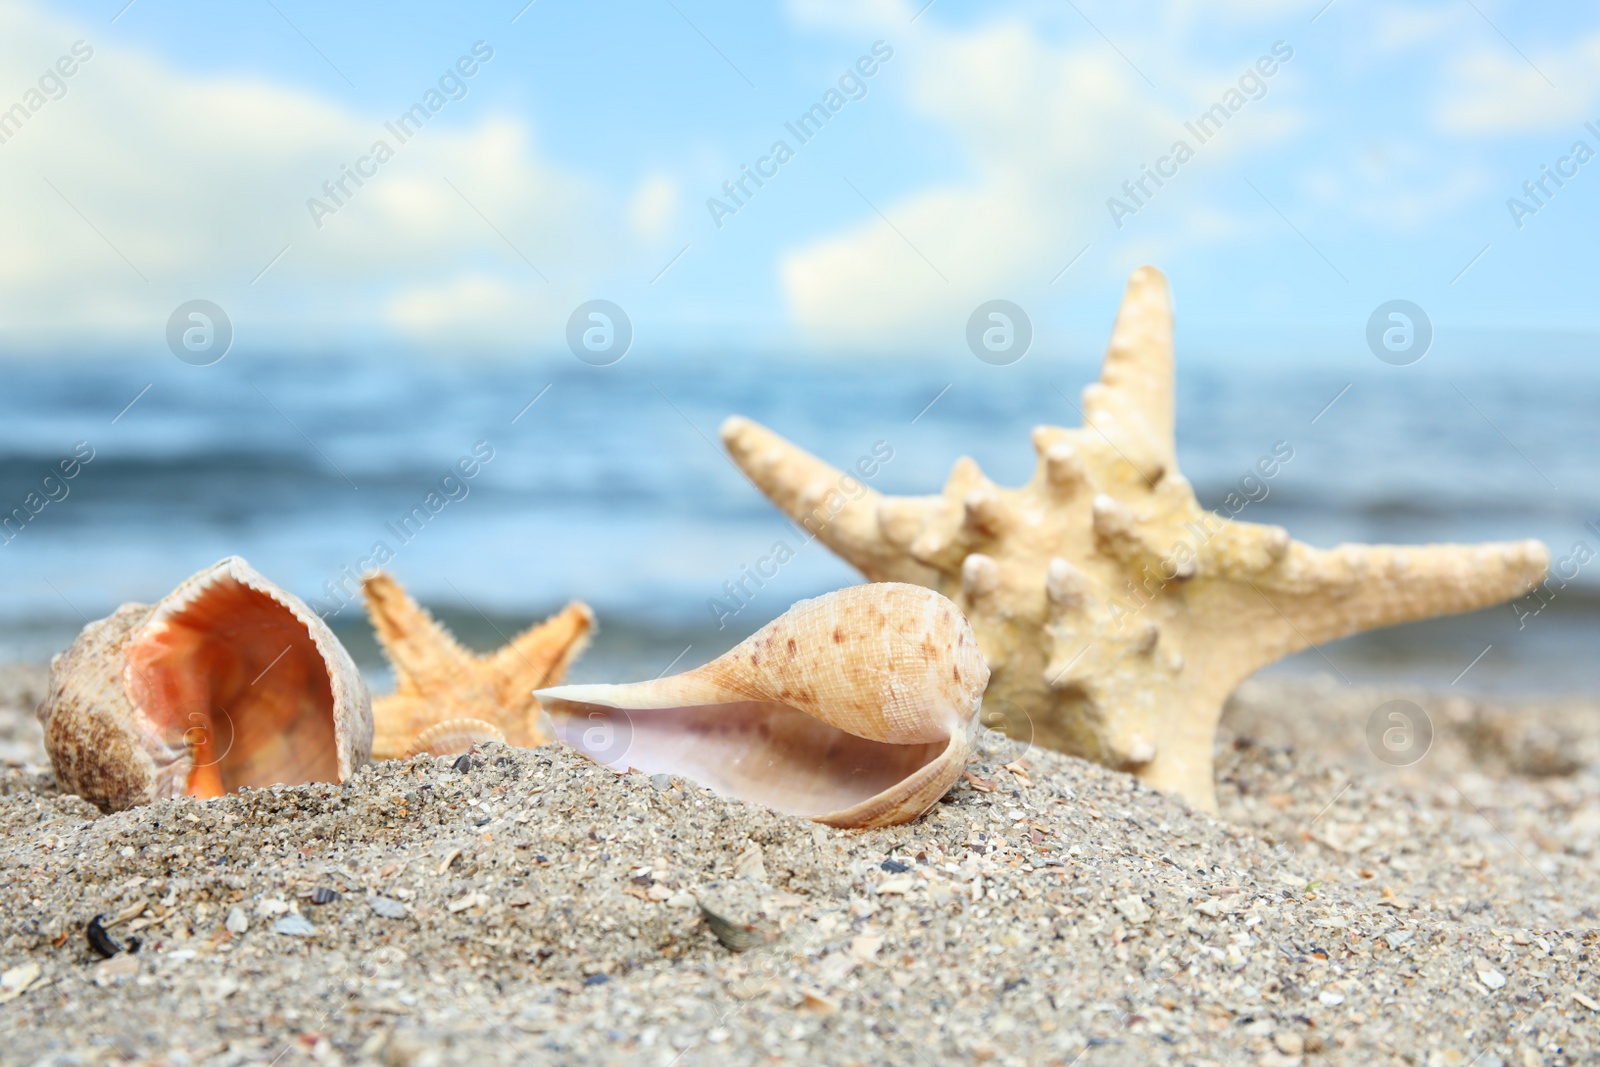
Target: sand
pixel 528 907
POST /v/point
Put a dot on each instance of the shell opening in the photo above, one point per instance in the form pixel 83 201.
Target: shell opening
pixel 235 689
pixel 758 751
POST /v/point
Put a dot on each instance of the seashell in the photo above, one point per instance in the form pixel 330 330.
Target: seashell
pixel 229 681
pixel 855 709
pixel 453 738
pixel 740 914
pixel 1116 613
pixel 453 698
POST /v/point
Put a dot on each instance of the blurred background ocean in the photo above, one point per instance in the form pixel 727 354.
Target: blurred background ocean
pixel 612 486
pixel 153 154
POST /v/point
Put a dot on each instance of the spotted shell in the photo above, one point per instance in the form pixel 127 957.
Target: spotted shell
pixel 855 709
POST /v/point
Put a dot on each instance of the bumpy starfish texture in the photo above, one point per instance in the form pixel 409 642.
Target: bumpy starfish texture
pixel 1116 614
pixel 446 698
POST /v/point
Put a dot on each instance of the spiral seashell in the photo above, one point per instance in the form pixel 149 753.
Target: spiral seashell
pixel 229 681
pixel 454 737
pixel 855 709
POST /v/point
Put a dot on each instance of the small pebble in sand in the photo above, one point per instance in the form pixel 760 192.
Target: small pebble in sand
pixel 99 940
pixel 324 895
pixel 271 906
pixel 294 925
pixel 470 900
pixel 751 864
pixel 387 907
pixel 114 970
pixel 1133 909
pixel 237 921
pixel 865 946
pixel 15 982
pixel 816 1001
pixel 739 914
pixel 898 885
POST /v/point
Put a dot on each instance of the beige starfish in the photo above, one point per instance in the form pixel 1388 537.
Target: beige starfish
pixel 1115 613
pixel 447 698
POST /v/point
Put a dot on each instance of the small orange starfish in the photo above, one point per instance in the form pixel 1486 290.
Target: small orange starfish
pixel 446 698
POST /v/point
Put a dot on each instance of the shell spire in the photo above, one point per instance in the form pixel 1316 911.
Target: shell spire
pixel 1117 619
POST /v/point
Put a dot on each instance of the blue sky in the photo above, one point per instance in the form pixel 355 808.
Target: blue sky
pixel 1376 164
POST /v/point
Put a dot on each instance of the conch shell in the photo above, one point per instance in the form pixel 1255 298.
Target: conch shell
pixel 855 709
pixel 229 681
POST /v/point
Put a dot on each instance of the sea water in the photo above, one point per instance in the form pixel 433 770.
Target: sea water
pixel 609 483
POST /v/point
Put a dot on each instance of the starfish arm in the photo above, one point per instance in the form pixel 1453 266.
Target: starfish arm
pixel 1323 595
pixel 425 657
pixel 1132 403
pixel 830 504
pixel 540 655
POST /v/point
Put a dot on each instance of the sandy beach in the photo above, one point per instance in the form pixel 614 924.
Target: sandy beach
pixel 783 396
pixel 528 906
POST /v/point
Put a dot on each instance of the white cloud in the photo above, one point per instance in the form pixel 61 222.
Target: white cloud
pixel 1398 29
pixel 1492 89
pixel 870 15
pixel 1395 184
pixel 1050 131
pixel 199 182
pixel 468 310
pixel 655 206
